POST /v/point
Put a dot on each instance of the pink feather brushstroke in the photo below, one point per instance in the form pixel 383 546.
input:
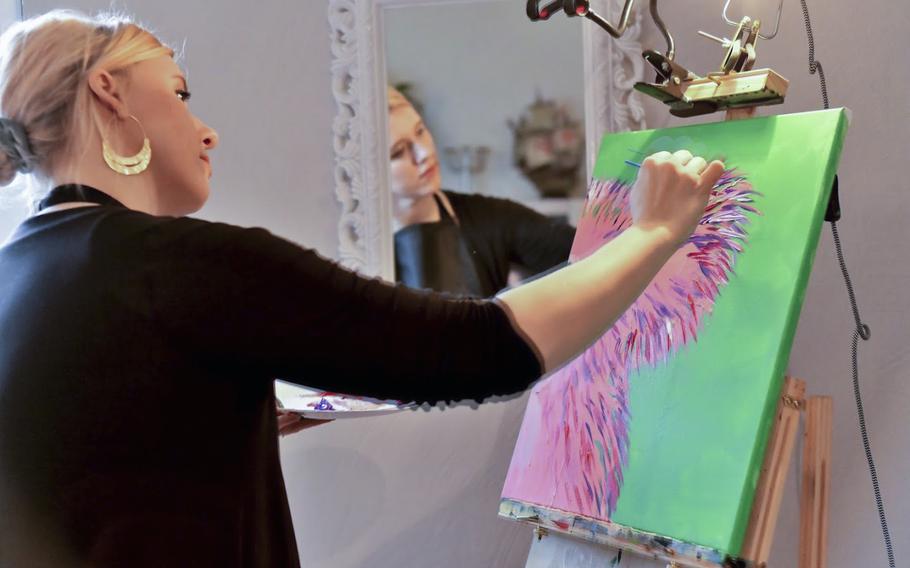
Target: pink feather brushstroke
pixel 574 441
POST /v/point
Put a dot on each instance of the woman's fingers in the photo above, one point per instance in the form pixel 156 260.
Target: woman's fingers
pixel 682 157
pixel 657 158
pixel 291 422
pixel 711 175
pixel 686 163
pixel 286 419
pixel 696 166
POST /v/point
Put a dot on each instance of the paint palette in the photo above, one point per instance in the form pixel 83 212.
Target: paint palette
pixel 323 405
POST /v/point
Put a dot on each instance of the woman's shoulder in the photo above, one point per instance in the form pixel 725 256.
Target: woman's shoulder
pixel 141 234
pixel 129 225
pixel 479 201
pixel 485 206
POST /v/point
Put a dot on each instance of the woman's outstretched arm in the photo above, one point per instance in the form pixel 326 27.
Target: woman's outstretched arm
pixel 248 302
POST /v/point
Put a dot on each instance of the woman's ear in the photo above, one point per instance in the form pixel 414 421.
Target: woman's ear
pixel 108 90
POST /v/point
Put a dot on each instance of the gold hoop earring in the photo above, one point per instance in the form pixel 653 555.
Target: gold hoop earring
pixel 128 165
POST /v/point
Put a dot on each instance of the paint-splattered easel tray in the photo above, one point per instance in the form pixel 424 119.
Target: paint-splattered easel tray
pixel 322 405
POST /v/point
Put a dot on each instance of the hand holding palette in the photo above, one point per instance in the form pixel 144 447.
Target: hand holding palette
pixel 323 405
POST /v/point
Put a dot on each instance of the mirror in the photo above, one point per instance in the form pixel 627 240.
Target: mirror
pixel 475 66
pixel 473 69
pixel 484 122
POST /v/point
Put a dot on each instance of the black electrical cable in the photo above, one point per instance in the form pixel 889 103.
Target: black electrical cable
pixel 861 331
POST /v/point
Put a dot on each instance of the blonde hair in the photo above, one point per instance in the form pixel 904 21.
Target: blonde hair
pixel 397 99
pixel 44 66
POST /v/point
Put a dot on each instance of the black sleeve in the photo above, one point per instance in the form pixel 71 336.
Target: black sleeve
pixel 252 300
pixel 536 242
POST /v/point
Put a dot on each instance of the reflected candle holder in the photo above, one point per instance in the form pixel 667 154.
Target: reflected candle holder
pixel 467 161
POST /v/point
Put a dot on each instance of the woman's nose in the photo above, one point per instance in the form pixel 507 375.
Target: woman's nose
pixel 421 153
pixel 210 139
pixel 209 136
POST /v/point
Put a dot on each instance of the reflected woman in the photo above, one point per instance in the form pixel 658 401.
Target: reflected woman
pixel 460 243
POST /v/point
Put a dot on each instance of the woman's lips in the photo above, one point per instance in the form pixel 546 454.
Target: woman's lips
pixel 429 172
pixel 208 164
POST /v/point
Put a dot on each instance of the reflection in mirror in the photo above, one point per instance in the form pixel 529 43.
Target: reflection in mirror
pixel 486 156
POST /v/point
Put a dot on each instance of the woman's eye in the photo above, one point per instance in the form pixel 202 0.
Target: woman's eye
pixel 184 95
pixel 397 154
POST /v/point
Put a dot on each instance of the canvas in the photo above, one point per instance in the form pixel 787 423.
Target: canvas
pixel 658 430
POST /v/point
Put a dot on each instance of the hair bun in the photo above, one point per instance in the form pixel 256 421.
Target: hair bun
pixel 14 143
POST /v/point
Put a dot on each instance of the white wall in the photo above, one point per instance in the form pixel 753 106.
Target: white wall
pixel 421 489
pixel 475 66
pixel 12 209
pixel 259 75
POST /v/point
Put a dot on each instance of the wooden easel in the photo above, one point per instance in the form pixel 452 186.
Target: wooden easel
pixel 815 478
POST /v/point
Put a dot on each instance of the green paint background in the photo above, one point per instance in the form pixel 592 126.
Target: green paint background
pixel 700 423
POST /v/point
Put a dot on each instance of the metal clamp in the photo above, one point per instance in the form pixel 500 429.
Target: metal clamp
pixel 780 9
pixel 793 402
pixel 735 85
pixel 580 8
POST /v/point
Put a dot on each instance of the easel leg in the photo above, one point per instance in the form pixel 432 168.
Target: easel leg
pixel 768 494
pixel 816 476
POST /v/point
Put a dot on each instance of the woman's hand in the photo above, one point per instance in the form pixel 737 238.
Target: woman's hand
pixel 671 193
pixel 567 310
pixel 291 422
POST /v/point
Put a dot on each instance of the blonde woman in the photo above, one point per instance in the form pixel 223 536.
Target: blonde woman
pixel 118 315
pixel 464 244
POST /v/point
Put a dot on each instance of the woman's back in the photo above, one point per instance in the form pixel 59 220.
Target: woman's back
pixel 118 438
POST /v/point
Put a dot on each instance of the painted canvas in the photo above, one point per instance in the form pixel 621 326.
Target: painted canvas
pixel 658 430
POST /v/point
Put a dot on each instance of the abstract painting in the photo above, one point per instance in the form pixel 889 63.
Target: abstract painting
pixel 658 430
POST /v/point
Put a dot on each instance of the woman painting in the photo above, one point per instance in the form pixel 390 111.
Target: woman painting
pixel 120 315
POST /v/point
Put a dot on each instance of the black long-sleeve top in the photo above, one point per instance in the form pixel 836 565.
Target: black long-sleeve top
pixel 137 411
pixel 473 256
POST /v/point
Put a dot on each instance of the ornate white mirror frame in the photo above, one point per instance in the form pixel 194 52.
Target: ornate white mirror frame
pixel 611 68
